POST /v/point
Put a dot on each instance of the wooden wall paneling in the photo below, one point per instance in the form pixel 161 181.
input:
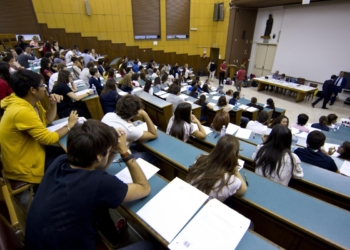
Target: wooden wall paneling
pixel 173 58
pixel 158 56
pixel 91 42
pixel 202 64
pixel 193 63
pixel 132 52
pixel 120 49
pixel 147 55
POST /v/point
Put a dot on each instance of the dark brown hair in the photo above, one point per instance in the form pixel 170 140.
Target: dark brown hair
pixel 222 118
pixel 128 106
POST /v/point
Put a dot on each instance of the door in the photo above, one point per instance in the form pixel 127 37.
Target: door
pixel 265 55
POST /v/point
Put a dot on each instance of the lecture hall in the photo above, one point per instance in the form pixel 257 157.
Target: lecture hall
pixel 221 124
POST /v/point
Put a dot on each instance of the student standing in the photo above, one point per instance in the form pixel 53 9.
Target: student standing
pixel 223 68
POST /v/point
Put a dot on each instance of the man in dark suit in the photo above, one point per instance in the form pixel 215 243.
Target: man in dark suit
pixel 339 84
pixel 327 92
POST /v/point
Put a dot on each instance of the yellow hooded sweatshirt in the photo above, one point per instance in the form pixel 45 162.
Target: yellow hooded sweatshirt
pixel 23 135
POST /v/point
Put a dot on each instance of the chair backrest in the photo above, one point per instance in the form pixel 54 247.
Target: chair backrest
pixel 314 85
pixel 8 239
pixel 301 81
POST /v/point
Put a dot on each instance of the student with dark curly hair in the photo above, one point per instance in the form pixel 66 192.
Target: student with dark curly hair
pixel 128 107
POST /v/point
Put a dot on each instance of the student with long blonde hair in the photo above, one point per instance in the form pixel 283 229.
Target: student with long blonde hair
pixel 217 174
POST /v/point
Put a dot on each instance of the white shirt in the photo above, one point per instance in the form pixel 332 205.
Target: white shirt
pixel 257 127
pixel 286 172
pixel 88 58
pixel 175 100
pixel 69 56
pixel 150 91
pixel 189 129
pixel 154 76
pixel 132 132
pixel 52 81
pixel 85 75
pixel 339 81
pixel 227 191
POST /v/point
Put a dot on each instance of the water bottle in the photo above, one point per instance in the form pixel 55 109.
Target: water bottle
pixel 94 89
pixel 31 66
pixel 223 131
pixel 243 97
pixel 188 89
pixel 294 142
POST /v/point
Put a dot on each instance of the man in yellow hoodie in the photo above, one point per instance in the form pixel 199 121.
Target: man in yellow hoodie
pixel 23 132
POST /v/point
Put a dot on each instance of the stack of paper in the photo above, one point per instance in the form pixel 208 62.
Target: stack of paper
pixel 243 133
pixel 147 168
pixel 251 109
pixel 183 96
pixel 81 92
pixel 212 104
pixel 244 107
pixel 345 168
pixel 170 210
pixel 216 226
pixel 122 93
pixel 165 96
pixel 62 124
pixel 160 93
pixel 215 98
pixel 231 129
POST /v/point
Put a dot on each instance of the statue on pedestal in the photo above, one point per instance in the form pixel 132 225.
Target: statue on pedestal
pixel 268 28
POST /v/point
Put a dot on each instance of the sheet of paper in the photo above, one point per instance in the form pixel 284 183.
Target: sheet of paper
pixel 251 109
pixel 206 129
pixel 160 93
pixel 345 168
pixel 143 125
pixel 301 142
pixel 215 98
pixel 302 135
pixel 82 91
pixel 170 210
pixel 244 107
pixel 184 88
pixel 165 95
pixel 212 104
pixel 213 93
pixel 136 89
pixel 183 96
pixel 295 130
pixel 189 102
pixel 147 168
pixel 243 133
pixel 122 93
pixel 241 164
pixel 60 125
pixel 216 226
pixel 313 129
pixel 231 128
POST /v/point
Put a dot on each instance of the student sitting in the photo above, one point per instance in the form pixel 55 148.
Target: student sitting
pixel 77 188
pixel 54 76
pixel 222 103
pixel 100 67
pixel 45 65
pixel 125 84
pixel 344 151
pixel 109 96
pixel 201 102
pixel 95 80
pixel 66 106
pixel 194 92
pixel 331 120
pixel 253 103
pixel 322 124
pixel 271 105
pixel 85 73
pixel 221 119
pixel 229 95
pixel 274 159
pixel 148 87
pixel 217 174
pixel 23 132
pixel 135 80
pixel 313 154
pixel 205 88
pixel 174 97
pixel 259 126
pixel 302 120
pixel 75 68
pixel 127 108
pixel 282 119
pixel 180 125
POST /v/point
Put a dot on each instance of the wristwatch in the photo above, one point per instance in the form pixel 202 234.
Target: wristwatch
pixel 126 156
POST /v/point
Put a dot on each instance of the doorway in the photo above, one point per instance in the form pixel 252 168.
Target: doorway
pixel 265 55
pixel 214 55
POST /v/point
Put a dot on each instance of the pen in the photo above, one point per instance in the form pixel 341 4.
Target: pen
pixel 246 179
pixel 217 134
pixel 254 135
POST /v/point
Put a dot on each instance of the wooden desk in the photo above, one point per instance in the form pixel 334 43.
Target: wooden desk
pixel 281 214
pixel 158 110
pixel 250 240
pixel 301 90
pixel 94 106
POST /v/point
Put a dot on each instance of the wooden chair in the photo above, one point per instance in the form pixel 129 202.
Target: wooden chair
pixel 307 97
pixel 8 238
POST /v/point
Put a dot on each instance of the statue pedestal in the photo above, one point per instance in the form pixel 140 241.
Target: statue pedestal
pixel 265 37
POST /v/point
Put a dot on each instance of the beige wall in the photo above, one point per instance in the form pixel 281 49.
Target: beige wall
pixel 112 20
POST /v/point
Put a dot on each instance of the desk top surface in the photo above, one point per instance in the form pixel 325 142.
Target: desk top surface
pixel 307 213
pixel 285 84
pixel 152 99
pixel 249 241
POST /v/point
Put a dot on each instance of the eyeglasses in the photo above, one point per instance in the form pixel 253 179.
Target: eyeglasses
pixel 43 85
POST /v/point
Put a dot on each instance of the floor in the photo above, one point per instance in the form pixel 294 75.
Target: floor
pixel 293 109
